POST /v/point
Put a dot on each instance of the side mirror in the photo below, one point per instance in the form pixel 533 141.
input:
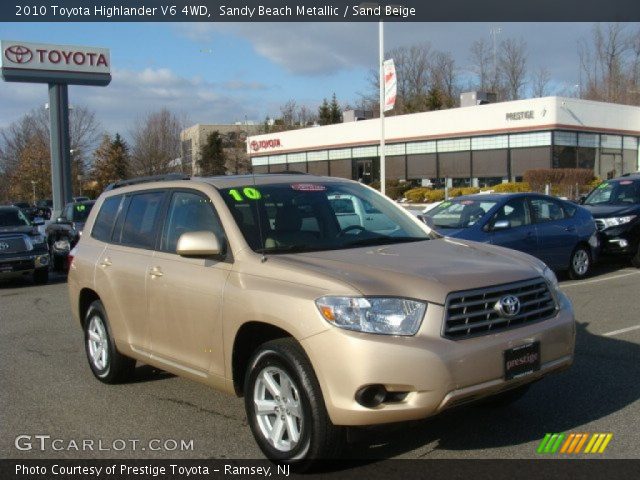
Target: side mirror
pixel 501 225
pixel 38 221
pixel 199 244
pixel 582 199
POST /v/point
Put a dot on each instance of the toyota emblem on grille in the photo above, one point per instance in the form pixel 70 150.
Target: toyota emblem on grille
pixel 508 306
pixel 4 246
pixel 18 54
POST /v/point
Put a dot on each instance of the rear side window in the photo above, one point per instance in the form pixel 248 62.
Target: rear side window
pixel 140 222
pixel 106 217
pixel 546 210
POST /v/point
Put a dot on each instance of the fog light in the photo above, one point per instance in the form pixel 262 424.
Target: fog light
pixel 371 396
pixel 623 243
pixel 42 260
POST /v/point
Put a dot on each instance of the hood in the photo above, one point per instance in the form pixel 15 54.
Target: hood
pixel 602 211
pixel 462 233
pixel 427 270
pixel 27 230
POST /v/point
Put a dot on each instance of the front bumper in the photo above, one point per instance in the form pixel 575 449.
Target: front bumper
pixel 436 372
pixel 618 241
pixel 12 265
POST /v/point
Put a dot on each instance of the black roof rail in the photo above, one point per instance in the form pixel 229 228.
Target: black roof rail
pixel 153 178
pixel 290 172
pixel 631 174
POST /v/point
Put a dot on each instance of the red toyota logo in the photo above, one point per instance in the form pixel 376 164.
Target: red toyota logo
pixel 18 54
pixel 255 146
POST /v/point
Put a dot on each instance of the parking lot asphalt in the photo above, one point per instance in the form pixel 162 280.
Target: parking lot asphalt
pixel 47 389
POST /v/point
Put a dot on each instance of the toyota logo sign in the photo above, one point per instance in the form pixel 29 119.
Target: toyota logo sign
pixel 508 306
pixel 18 54
pixel 4 246
pixel 262 144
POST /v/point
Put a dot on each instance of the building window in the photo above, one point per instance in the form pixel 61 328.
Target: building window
pixel 339 154
pixel 277 159
pixel 590 140
pixel 363 152
pixel 567 139
pixel 421 147
pixel 318 156
pixel 296 157
pixel 395 149
pixel 613 142
pixel 538 139
pixel 630 143
pixel 454 145
pixel 490 143
pixel 260 161
pixel 564 157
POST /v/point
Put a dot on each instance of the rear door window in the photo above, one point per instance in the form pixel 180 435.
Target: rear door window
pixel 139 229
pixel 547 210
pixel 103 225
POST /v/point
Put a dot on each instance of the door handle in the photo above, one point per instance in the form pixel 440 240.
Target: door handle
pixel 106 262
pixel 155 272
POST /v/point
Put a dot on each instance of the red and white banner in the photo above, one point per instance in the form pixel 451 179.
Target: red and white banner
pixel 390 84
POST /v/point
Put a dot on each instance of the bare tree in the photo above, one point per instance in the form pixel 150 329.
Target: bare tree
pixel 444 78
pixel 540 82
pixel 156 144
pixel 513 66
pixel 481 59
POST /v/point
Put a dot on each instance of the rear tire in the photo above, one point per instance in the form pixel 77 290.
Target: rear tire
pixel 635 260
pixel 41 276
pixel 580 263
pixel 293 425
pixel 106 363
pixel 59 263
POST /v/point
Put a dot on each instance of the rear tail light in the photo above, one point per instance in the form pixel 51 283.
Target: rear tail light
pixel 70 257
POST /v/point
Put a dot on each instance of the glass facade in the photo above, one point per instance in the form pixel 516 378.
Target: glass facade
pixel 479 160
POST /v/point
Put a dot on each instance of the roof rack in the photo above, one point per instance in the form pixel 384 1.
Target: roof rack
pixel 153 178
pixel 631 174
pixel 289 172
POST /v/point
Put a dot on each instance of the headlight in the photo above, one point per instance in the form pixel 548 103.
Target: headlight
pixel 552 281
pixel 388 316
pixel 617 221
pixel 37 240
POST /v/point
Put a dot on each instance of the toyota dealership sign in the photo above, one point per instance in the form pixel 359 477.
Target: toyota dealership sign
pixel 40 62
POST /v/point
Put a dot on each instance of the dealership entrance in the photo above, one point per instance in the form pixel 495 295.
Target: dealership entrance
pixel 366 170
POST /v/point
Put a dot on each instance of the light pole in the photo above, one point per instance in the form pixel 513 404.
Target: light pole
pixel 383 170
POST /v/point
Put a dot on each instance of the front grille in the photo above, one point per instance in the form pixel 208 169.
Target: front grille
pixel 471 313
pixel 14 244
pixel 600 224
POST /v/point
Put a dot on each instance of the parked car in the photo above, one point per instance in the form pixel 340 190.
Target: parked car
pixel 560 233
pixel 28 209
pixel 44 208
pixel 81 199
pixel 23 249
pixel 615 205
pixel 252 285
pixel 65 231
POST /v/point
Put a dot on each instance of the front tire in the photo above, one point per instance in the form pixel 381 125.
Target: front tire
pixel 41 276
pixel 635 260
pixel 285 407
pixel 580 263
pixel 106 363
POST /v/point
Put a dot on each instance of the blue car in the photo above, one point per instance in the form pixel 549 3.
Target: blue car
pixel 560 233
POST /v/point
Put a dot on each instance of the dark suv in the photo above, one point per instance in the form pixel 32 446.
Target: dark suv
pixel 65 231
pixel 615 206
pixel 23 249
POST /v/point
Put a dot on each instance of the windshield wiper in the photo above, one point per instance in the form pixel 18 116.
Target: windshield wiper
pixel 288 249
pixel 382 241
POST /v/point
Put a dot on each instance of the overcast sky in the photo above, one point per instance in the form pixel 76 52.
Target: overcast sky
pixel 223 73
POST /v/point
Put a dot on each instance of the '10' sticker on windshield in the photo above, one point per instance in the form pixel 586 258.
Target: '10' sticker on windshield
pixel 248 192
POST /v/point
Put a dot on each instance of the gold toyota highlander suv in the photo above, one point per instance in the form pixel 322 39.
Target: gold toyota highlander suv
pixel 320 301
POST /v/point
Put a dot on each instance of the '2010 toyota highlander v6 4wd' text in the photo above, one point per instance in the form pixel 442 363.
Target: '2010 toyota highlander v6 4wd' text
pixel 264 287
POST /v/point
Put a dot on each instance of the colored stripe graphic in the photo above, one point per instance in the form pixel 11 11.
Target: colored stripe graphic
pixel 574 442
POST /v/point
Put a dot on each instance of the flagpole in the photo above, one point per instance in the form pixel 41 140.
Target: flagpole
pixel 383 170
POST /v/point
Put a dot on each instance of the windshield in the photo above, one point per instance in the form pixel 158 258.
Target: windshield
pixel 615 193
pixel 13 217
pixel 301 217
pixel 459 213
pixel 81 212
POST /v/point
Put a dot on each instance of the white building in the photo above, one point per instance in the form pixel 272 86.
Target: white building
pixel 481 145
